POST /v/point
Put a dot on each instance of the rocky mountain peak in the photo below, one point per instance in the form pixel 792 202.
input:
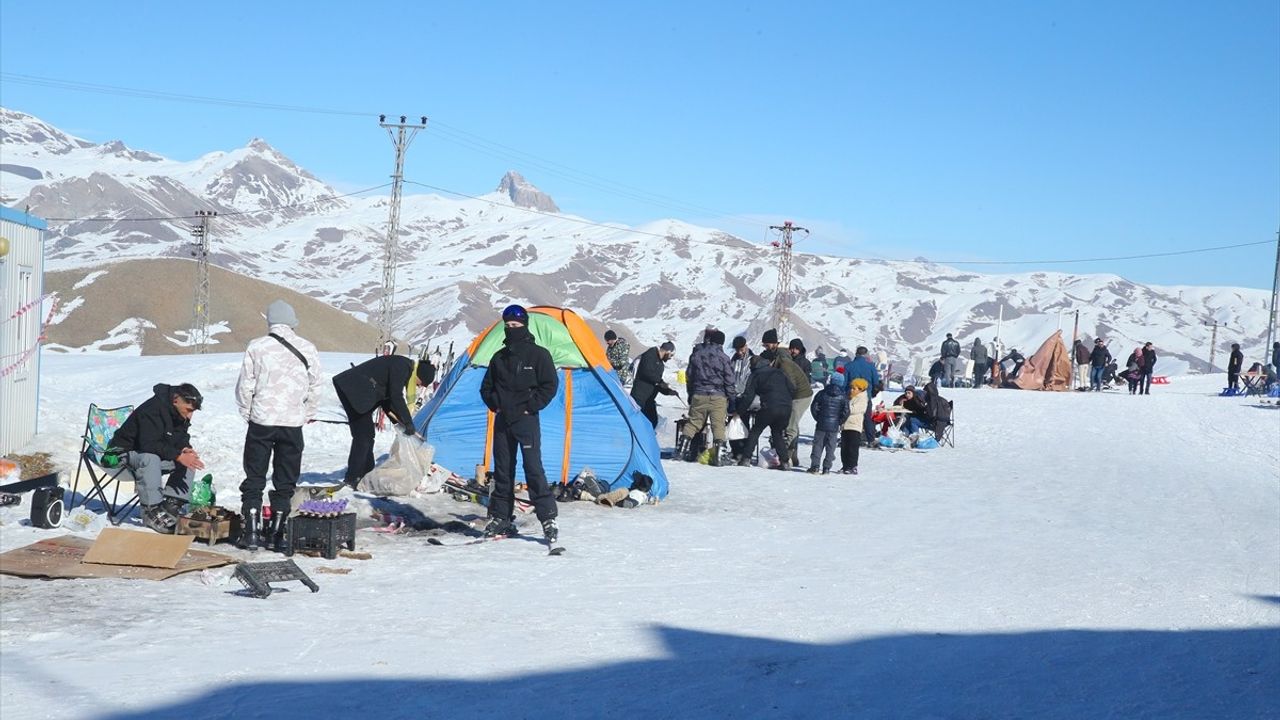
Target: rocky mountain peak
pixel 524 194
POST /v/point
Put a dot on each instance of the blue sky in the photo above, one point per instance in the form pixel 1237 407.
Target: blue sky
pixel 954 131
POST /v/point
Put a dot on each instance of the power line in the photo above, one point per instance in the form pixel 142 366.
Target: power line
pixel 163 218
pixel 444 131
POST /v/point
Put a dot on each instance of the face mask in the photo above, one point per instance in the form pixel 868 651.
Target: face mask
pixel 517 333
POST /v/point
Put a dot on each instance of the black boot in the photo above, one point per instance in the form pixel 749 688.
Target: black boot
pixel 715 454
pixel 279 532
pixel 249 527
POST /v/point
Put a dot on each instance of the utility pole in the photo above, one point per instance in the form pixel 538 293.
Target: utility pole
pixel 401 133
pixel 1272 319
pixel 781 302
pixel 200 305
pixel 1213 344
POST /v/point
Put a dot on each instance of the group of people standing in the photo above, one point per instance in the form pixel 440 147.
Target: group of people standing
pixel 768 391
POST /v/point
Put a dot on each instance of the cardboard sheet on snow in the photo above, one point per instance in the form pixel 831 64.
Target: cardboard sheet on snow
pixel 63 557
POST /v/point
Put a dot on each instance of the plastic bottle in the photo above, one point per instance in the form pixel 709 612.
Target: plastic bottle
pixel 202 493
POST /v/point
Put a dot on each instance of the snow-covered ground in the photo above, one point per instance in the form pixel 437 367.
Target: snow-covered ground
pixel 1076 556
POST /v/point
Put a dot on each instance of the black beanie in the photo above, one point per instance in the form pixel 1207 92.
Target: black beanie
pixel 770 337
pixel 739 342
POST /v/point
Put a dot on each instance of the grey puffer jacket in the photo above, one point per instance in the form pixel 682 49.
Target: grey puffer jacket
pixel 709 372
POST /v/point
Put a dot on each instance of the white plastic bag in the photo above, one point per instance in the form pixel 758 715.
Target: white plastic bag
pixel 405 468
pixel 736 430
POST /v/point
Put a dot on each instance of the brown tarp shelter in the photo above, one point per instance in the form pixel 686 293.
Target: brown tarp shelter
pixel 1049 368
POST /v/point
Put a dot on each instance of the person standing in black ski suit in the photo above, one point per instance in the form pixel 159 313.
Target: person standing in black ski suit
pixel 775 391
pixel 1098 359
pixel 1234 363
pixel 520 381
pixel 648 382
pixel 950 360
pixel 1147 369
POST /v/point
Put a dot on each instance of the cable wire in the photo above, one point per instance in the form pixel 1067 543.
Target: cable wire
pixel 231 213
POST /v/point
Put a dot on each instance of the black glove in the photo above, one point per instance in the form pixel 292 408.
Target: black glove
pixel 667 390
pixel 410 431
pixel 178 485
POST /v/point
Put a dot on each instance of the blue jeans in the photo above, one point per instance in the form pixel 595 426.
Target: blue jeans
pixel 1095 377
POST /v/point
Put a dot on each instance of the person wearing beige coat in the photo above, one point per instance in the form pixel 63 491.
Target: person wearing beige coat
pixel 851 431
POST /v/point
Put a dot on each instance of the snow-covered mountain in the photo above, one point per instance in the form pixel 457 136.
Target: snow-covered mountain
pixel 463 259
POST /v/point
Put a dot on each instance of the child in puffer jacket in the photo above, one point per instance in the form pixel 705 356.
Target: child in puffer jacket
pixel 851 431
pixel 831 409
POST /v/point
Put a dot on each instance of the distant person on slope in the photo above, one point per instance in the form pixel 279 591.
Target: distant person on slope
pixel 277 393
pixel 950 359
pixel 1234 363
pixel 980 360
pixel 1133 370
pixel 862 367
pixel 740 365
pixel 1081 354
pixel 851 431
pixel 649 382
pixel 521 380
pixel 795 365
pixel 1017 359
pixel 1147 369
pixel 709 377
pixel 830 409
pixel 619 354
pixel 378 383
pixel 155 439
pixel 775 390
pixel 1099 357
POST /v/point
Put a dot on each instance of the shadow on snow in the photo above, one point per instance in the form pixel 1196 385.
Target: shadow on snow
pixel 1042 674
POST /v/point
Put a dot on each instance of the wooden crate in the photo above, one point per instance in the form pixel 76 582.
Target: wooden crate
pixel 212 527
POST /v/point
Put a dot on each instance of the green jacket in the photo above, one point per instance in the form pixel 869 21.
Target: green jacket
pixel 797 377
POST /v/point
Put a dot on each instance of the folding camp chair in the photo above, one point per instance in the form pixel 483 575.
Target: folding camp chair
pixel 99 428
pixel 944 429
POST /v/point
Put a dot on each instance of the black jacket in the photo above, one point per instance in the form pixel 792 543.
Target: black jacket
pixel 155 427
pixel 1015 356
pixel 648 377
pixel 1148 360
pixel 936 370
pixel 521 379
pixel 804 364
pixel 830 408
pixel 950 348
pixel 1235 362
pixel 1099 356
pixel 380 382
pixel 772 385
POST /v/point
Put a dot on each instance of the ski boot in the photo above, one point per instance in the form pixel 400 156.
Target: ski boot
pixel 277 536
pixel 500 527
pixel 158 518
pixel 550 531
pixel 716 449
pixel 249 527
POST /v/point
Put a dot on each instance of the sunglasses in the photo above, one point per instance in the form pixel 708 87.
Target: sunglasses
pixel 193 401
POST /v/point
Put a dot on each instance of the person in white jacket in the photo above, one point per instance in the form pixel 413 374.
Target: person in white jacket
pixel 277 394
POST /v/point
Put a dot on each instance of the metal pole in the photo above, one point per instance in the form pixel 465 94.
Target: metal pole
pixel 781 303
pixel 1272 319
pixel 401 134
pixel 1213 344
pixel 200 304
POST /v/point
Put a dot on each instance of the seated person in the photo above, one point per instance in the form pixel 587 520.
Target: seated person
pixel 154 440
pixel 915 403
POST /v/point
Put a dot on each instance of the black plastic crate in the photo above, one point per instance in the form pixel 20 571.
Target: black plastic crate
pixel 325 535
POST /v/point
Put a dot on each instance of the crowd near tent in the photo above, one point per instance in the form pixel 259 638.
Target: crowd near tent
pixel 1049 368
pixel 592 422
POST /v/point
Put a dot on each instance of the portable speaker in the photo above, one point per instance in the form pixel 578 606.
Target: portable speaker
pixel 46 507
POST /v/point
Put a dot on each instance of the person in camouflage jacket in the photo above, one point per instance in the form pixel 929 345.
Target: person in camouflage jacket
pixel 619 354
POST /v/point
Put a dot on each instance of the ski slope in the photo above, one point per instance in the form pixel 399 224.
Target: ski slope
pixel 1076 556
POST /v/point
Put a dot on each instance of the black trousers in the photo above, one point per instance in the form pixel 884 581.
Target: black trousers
pixel 1144 383
pixel 775 419
pixel 650 410
pixel 360 459
pixel 526 432
pixel 850 443
pixel 279 447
